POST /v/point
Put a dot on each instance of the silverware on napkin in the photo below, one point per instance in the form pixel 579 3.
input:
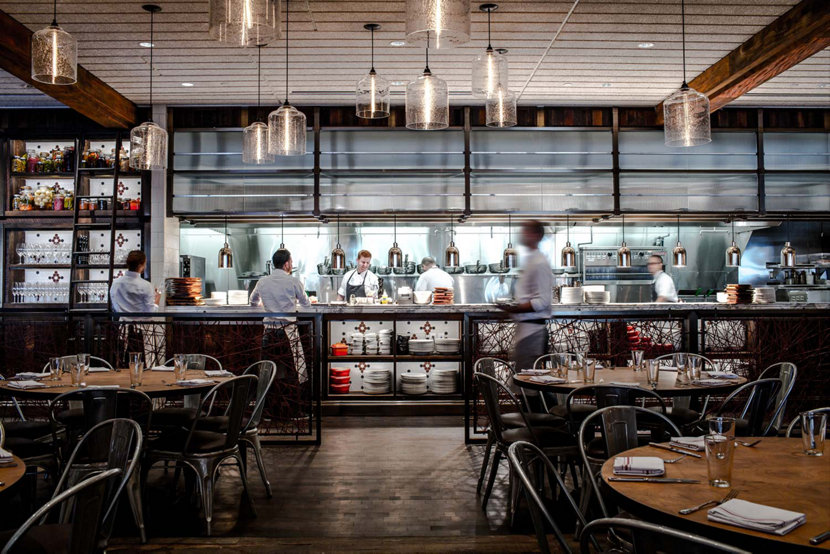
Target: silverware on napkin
pixel 651 480
pixel 673 449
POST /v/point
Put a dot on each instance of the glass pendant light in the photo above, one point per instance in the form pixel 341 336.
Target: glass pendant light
pixel 489 72
pixel 427 101
pixel 244 22
pixel 624 253
pixel 148 141
pixel 500 108
pixel 225 253
pixel 447 20
pixel 509 259
pixel 372 95
pixel 733 253
pixel 255 136
pixel 568 253
pixel 452 258
pixel 287 125
pixel 395 255
pixel 788 252
pixel 686 112
pixel 338 256
pixel 679 253
pixel 54 54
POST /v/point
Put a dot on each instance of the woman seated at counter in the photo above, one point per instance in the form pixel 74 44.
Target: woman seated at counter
pixel 359 282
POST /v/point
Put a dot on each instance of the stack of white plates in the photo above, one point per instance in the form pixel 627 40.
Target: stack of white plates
pixel 764 295
pixel 447 346
pixel 370 343
pixel 597 297
pixel 237 297
pixel 219 295
pixel 356 344
pixel 414 383
pixel 385 341
pixel 377 381
pixel 571 295
pixel 215 302
pixel 443 381
pixel 421 347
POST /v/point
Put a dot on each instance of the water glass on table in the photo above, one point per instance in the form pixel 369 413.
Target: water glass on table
pixel 55 367
pixel 179 366
pixel 652 372
pixel 813 429
pixel 76 374
pixel 589 368
pixel 722 426
pixel 83 360
pixel 693 367
pixel 720 456
pixel 637 359
pixel 136 371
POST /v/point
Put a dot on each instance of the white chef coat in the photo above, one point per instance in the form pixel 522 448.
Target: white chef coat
pixel 132 294
pixel 664 286
pixel 434 277
pixel 534 285
pixel 355 279
pixel 279 292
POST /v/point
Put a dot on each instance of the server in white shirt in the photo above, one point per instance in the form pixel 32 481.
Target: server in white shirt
pixel 534 296
pixel 662 285
pixel 433 276
pixel 131 294
pixel 359 282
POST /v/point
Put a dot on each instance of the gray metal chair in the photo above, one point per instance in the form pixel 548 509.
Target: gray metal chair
pixel 648 538
pixel 787 372
pixel 199 362
pixel 795 424
pixel 94 361
pixel 680 411
pixel 603 396
pixel 548 361
pixel 182 416
pixel 754 406
pixel 265 371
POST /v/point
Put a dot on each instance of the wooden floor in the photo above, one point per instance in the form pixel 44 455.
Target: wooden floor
pixel 376 485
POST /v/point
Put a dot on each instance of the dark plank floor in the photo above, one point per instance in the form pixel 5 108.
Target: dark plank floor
pixel 377 484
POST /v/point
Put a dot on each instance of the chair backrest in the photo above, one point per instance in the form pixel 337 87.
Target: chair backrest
pixel 2 435
pixel 613 395
pixel 795 423
pixel 199 361
pixel 758 409
pixel 525 459
pixel 787 372
pixel 240 392
pixel 88 500
pixel 94 361
pixel 265 371
pixel 648 537
pixel 495 393
pixel 706 363
pixel 555 359
pixel 495 367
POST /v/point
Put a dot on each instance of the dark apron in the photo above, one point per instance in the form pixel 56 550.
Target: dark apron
pixel 358 291
pixel 653 291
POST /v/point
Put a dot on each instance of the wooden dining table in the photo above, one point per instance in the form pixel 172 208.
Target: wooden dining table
pixel 775 473
pixel 11 474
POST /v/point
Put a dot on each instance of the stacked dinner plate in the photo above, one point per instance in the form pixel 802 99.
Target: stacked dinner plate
pixel 184 291
pixel 421 347
pixel 370 343
pixel 443 381
pixel 570 295
pixel 385 341
pixel 764 295
pixel 238 297
pixel 447 346
pixel 377 381
pixel 441 295
pixel 739 294
pixel 597 297
pixel 414 383
pixel 356 341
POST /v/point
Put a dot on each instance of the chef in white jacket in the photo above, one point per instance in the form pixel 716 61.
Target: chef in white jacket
pixel 433 276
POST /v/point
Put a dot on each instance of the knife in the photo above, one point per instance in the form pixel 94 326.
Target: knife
pixel 673 449
pixel 651 480
pixel 818 539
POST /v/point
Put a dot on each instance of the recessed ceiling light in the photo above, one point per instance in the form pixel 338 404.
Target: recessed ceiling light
pixel 824 85
pixel 188 84
pixel 397 43
pixel 606 85
pixel 646 45
pixel 567 84
pixel 146 44
pixel 397 83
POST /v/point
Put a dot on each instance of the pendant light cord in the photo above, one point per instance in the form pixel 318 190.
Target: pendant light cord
pixel 733 230
pixel 426 69
pixel 258 75
pixel 55 14
pixel 395 228
pixel 152 47
pixel 489 46
pixel 623 228
pixel 678 229
pixel 372 30
pixel 287 6
pixel 683 31
pixel 568 228
pixel 282 229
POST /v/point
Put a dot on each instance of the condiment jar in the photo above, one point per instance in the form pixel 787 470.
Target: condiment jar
pixel 57 203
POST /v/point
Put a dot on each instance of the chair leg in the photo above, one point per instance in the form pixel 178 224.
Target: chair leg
pixel 487 450
pixel 494 469
pixel 205 484
pixel 257 448
pixel 243 474
pixel 134 496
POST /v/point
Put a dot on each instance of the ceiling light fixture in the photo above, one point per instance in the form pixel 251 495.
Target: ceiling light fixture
pixel 490 68
pixel 338 255
pixel 500 108
pixel 397 43
pixel 148 141
pixel 788 252
pixel 568 253
pixel 395 258
pixel 372 95
pixel 686 112
pixel 244 22
pixel 624 253
pixel 451 256
pixel 146 44
pixel 679 253
pixel 287 124
pixel 646 45
pixel 54 54
pixel 447 20
pixel 225 253
pixel 188 85
pixel 255 148
pixel 606 85
pixel 510 258
pixel 427 101
pixel 733 253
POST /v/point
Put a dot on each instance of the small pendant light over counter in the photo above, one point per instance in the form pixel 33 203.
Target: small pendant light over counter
pixel 225 253
pixel 372 95
pixel 788 252
pixel 282 232
pixel 452 257
pixel 447 20
pixel 244 22
pixel 148 141
pixel 255 136
pixel 686 112
pixel 338 256
pixel 490 70
pixel 568 253
pixel 427 101
pixel 678 255
pixel 287 124
pixel 623 253
pixel 54 54
pixel 509 259
pixel 733 253
pixel 395 254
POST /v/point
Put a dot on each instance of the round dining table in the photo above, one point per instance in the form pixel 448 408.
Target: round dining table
pixel 775 473
pixel 155 384
pixel 667 384
pixel 11 474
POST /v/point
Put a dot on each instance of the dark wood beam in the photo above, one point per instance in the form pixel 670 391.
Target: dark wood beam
pixel 90 96
pixel 787 41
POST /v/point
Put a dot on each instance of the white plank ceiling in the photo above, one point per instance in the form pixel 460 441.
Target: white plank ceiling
pixel 595 60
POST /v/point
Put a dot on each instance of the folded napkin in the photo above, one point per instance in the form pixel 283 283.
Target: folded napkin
pixel 5 454
pixel 161 368
pixel 103 386
pixel 25 385
pixel 723 375
pixel 194 382
pixel 668 368
pixel 98 369
pixel 616 384
pixel 638 465
pixel 218 373
pixel 689 443
pixel 547 379
pixel 29 375
pixel 529 372
pixel 600 366
pixel 756 516
pixel 707 382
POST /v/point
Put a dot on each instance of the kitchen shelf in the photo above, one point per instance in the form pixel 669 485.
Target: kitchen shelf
pixel 39 266
pixel 430 358
pixel 363 358
pixel 68 213
pixel 61 175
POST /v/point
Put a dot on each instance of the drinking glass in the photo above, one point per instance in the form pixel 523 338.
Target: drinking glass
pixel 720 455
pixel 637 359
pixel 76 374
pixel 589 367
pixel 180 366
pixel 653 372
pixel 693 365
pixel 136 370
pixel 724 426
pixel 134 357
pixel 54 369
pixel 83 361
pixel 813 428
pixel 679 360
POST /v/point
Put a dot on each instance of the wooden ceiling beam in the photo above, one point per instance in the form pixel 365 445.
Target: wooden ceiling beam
pixel 792 38
pixel 90 96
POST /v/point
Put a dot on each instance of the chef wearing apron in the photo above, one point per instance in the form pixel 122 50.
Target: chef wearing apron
pixel 359 282
pixel 662 286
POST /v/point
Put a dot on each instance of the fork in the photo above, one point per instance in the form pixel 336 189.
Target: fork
pixel 674 460
pixel 748 444
pixel 686 511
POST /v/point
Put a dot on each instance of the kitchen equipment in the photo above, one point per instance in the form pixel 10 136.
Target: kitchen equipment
pixel 475 269
pixel 414 383
pixel 454 270
pixel 409 268
pixel 451 256
pixel 422 296
pixel 339 349
pixel 383 270
pixel 340 389
pixel 399 270
pixel 193 266
pixel 421 347
pixel 626 284
pixel 324 268
pixel 395 255
pixel 403 344
pixel 510 258
pixel 404 295
pixel 377 381
pixel 447 346
pixel 338 256
pixel 499 268
pixel 568 253
pixel 340 371
pixel 339 380
pixel 443 381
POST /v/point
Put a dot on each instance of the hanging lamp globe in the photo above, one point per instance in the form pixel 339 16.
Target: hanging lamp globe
pixel 500 109
pixel 287 131
pixel 489 69
pixel 568 255
pixel 244 22
pixel 447 21
pixel 54 56
pixel 226 257
pixel 372 91
pixel 148 141
pixel 427 103
pixel 686 118
pixel 255 148
pixel 678 256
pixel 733 255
